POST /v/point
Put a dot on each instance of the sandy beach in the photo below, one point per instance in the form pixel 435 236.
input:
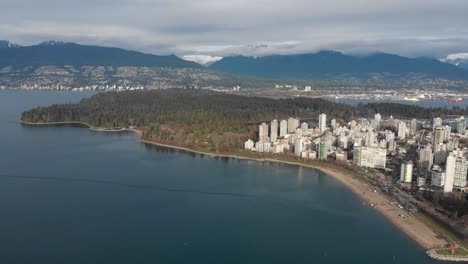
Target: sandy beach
pixel 409 224
pixel 426 236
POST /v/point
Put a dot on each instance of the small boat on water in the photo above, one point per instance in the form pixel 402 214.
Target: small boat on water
pixel 412 99
pixel 456 100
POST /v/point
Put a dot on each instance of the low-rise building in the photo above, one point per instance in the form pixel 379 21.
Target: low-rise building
pixel 249 145
pixel 370 157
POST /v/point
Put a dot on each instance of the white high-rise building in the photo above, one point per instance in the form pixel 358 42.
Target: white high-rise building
pixel 356 153
pixel 402 130
pixel 274 131
pixel 293 123
pixel 389 135
pixel 438 135
pixel 436 122
pixel 377 120
pixel 450 172
pixel 298 142
pixel 263 132
pixel 460 124
pixel 414 125
pixel 456 169
pixel 461 170
pixel 283 128
pixel 447 132
pixel 406 172
pixel 322 122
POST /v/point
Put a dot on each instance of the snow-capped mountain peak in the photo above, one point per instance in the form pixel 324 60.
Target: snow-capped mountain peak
pixel 8 44
pixel 458 59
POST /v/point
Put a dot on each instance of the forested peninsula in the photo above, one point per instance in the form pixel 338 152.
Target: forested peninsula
pixel 208 120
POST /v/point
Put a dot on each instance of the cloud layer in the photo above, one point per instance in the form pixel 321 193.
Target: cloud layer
pixel 207 29
pixel 457 56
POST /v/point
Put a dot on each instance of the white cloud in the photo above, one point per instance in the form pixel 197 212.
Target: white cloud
pixel 202 59
pixel 457 56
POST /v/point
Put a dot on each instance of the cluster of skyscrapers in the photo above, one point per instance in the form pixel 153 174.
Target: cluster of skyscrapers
pixel 291 135
pixel 440 160
pixel 427 151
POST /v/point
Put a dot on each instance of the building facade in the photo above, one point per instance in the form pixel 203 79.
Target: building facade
pixel 274 131
pixel 263 132
pixel 283 128
pixel 322 122
pixel 402 130
pixel 406 172
pixel 425 159
pixel 370 157
pixel 293 124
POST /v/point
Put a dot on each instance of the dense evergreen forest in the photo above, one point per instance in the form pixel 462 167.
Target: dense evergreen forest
pixel 208 120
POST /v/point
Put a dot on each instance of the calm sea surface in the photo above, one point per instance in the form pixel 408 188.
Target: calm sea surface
pixel 71 195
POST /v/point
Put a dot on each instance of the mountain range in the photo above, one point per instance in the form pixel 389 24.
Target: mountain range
pixel 55 53
pixel 332 64
pixel 64 63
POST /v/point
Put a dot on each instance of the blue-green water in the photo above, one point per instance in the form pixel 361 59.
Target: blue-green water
pixel 71 195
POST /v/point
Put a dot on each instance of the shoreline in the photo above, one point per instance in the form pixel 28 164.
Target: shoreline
pixel 90 127
pixel 412 226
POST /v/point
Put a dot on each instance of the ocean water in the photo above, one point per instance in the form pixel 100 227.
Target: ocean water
pixel 71 195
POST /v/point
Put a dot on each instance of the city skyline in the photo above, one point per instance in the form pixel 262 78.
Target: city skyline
pixel 439 160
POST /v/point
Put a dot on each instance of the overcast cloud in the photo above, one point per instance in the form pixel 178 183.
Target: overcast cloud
pixel 208 29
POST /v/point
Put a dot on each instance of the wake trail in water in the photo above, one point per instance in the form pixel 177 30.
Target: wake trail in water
pixel 268 199
pixel 123 184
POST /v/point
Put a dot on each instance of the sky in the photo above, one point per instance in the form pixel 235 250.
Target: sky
pixel 206 30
